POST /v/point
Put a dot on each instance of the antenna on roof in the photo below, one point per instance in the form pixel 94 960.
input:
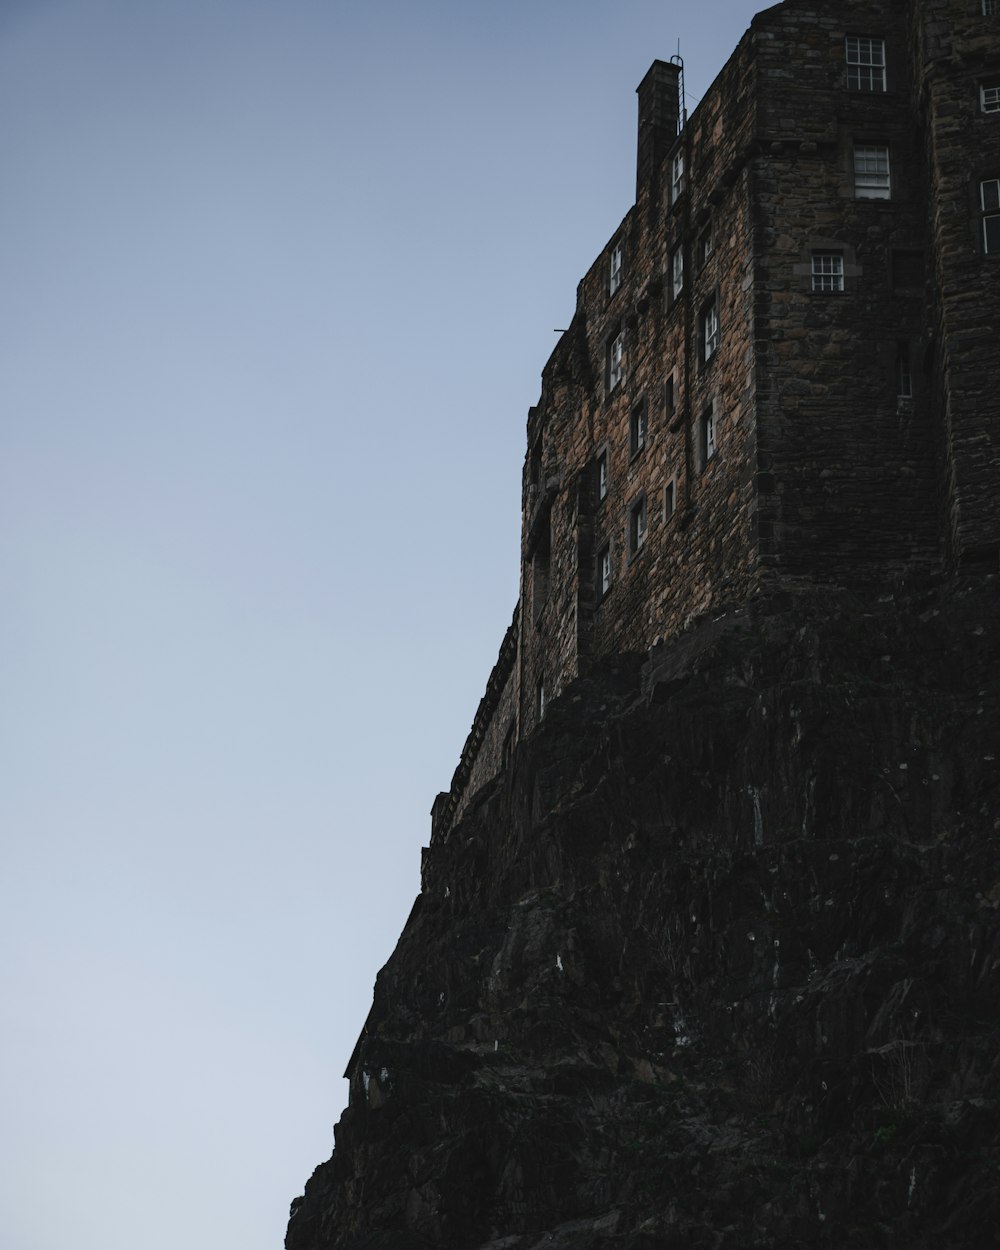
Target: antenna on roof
pixel 678 60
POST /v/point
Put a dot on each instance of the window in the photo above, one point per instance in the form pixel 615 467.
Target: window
pixel 540 698
pixel 904 378
pixel 705 247
pixel 871 171
pixel 865 63
pixel 616 360
pixel 668 396
pixel 602 476
pixel 539 582
pixel 708 331
pixel 637 526
pixel 637 429
pixel 707 440
pixel 828 271
pixel 604 570
pixel 989 97
pixel 507 750
pixel 615 274
pixel 991 8
pixel 989 201
pixel 669 500
pixel 676 177
pixel 676 272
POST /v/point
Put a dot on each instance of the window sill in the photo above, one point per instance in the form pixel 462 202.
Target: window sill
pixel 638 554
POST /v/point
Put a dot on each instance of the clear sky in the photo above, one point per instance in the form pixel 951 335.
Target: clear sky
pixel 277 282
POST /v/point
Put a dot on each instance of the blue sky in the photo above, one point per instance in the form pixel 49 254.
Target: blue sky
pixel 277 282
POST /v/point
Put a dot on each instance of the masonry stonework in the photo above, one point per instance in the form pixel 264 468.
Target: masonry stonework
pixel 783 364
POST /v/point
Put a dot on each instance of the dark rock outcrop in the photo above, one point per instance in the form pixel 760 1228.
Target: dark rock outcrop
pixel 714 963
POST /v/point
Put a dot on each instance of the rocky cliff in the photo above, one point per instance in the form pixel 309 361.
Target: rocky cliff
pixel 714 963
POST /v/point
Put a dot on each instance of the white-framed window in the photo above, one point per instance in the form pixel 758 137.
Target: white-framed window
pixel 828 272
pixel 676 176
pixel 676 272
pixel 706 246
pixel 989 96
pixel 991 8
pixel 604 569
pixel 602 476
pixel 615 270
pixel 669 499
pixel 708 330
pixel 616 360
pixel 989 202
pixel 871 171
pixel 865 63
pixel 637 429
pixel 708 435
pixel 637 525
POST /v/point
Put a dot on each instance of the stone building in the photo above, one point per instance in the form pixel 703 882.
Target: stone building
pixel 783 363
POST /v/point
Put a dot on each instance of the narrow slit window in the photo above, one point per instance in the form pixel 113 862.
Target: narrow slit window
pixel 604 570
pixel 602 476
pixel 708 331
pixel 676 272
pixel 637 429
pixel 989 200
pixel 637 526
pixel 904 376
pixel 669 500
pixel 615 272
pixel 708 435
pixel 616 360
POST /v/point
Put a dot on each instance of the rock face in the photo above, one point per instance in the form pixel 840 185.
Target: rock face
pixel 715 962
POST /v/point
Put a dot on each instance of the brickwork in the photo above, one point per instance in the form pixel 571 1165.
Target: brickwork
pixel 783 363
pixel 959 50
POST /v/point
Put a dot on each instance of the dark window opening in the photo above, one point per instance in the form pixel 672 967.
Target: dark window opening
pixel 603 571
pixel 707 435
pixel 602 476
pixel 904 375
pixel 637 429
pixel 637 526
pixel 708 331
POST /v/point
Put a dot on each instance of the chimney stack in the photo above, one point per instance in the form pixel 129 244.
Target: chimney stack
pixel 659 110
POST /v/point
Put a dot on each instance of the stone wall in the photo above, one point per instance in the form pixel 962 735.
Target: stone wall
pixel 958 49
pixel 492 735
pixel 848 478
pixel 698 536
pixel 711 422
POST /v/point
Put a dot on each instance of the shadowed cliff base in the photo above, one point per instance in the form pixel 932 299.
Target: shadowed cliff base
pixel 715 962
